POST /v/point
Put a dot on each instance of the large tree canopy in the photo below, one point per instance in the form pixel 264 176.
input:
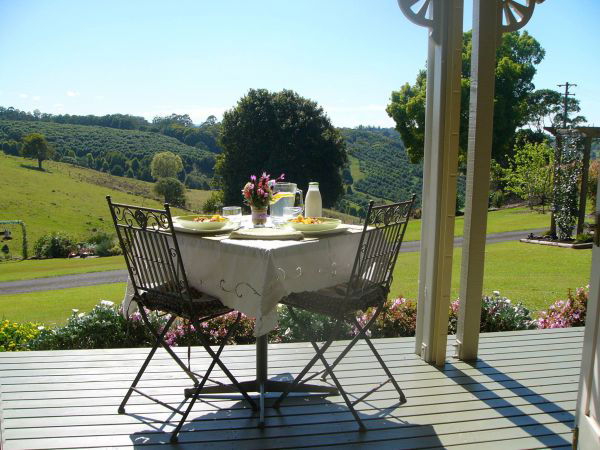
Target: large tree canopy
pixel 516 58
pixel 35 146
pixel 280 132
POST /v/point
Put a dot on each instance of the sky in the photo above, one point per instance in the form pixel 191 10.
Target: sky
pixel 150 58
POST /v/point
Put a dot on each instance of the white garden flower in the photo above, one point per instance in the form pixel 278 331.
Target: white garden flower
pixel 75 311
pixel 496 293
pixel 107 303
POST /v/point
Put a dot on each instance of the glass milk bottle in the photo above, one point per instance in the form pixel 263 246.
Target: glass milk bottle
pixel 313 205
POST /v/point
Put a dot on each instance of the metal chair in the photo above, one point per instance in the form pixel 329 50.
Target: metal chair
pixel 368 287
pixel 160 284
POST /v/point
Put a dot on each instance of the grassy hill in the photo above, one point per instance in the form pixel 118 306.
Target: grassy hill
pixel 102 142
pixel 66 198
pixel 379 167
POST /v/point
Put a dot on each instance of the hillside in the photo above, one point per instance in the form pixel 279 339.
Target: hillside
pixel 378 168
pixel 74 142
pixel 378 165
pixel 66 198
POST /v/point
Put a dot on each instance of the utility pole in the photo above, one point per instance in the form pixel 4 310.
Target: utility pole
pixel 567 85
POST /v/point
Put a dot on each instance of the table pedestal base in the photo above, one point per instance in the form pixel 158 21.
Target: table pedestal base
pixel 261 385
pixel 262 390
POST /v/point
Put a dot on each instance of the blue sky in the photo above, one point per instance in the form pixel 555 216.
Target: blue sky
pixel 199 57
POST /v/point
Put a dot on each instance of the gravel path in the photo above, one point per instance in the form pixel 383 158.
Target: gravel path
pixel 120 276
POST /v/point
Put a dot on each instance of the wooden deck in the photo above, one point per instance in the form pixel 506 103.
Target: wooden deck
pixel 520 394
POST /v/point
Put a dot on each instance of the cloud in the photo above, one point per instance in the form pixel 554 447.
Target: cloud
pixel 99 97
pixel 72 93
pixel 36 98
pixel 23 95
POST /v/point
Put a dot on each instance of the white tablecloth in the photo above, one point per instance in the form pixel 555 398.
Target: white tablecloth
pixel 251 276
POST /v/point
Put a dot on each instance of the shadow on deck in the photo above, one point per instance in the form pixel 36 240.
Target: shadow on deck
pixel 521 393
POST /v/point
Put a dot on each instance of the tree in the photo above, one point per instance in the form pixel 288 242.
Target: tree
pixel 530 173
pixel 172 190
pixel 546 109
pixel 90 160
pixel 516 58
pixel 35 146
pixel 280 132
pixel 117 170
pixel 165 165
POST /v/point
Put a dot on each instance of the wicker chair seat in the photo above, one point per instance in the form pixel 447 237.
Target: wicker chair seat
pixel 203 305
pixel 333 302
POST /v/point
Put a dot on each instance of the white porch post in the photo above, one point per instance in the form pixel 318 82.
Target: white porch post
pixel 440 167
pixel 487 31
pixel 481 123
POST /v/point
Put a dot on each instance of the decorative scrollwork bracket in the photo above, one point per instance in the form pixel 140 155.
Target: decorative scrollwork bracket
pixel 512 14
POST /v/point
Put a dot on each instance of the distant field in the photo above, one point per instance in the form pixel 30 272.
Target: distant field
pixel 537 275
pixel 54 307
pixel 65 198
pixel 27 270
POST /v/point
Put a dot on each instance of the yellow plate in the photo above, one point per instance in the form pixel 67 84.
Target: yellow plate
pixel 188 222
pixel 328 224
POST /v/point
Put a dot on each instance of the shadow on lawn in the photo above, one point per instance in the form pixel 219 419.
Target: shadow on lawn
pixel 36 168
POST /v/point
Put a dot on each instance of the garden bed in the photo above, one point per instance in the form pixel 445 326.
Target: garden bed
pixel 576 246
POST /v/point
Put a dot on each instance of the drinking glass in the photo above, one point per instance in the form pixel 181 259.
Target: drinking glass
pixel 233 213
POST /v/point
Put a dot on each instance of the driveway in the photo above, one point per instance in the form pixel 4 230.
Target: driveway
pixel 120 276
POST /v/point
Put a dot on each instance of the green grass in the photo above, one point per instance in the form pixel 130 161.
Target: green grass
pixel 355 171
pixel 64 198
pixel 54 307
pixel 30 269
pixel 510 219
pixel 537 275
pixel 534 274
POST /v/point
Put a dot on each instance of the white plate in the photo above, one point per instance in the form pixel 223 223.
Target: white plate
pixel 228 228
pixel 340 229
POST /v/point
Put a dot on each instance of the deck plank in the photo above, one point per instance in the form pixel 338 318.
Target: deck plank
pixel 521 393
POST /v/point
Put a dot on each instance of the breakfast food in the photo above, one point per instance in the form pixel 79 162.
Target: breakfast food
pixel 215 218
pixel 306 220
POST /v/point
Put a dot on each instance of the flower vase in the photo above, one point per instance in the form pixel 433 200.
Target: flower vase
pixel 259 216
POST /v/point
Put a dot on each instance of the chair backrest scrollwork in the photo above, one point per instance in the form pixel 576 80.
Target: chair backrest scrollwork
pixel 379 246
pixel 152 254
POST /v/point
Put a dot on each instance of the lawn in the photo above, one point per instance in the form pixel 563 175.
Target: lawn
pixel 510 219
pixel 54 307
pixel 65 198
pixel 537 275
pixel 29 269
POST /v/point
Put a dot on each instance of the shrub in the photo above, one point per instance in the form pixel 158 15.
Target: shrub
pixel 104 244
pixel 54 245
pixel 497 199
pixel 583 238
pixel 15 336
pixel 214 202
pixel 500 314
pixel 310 327
pixel 399 318
pixel 497 314
pixel 566 313
pixel 172 190
pixel 102 327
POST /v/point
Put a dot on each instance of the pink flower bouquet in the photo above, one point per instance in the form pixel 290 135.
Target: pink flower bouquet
pixel 258 192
